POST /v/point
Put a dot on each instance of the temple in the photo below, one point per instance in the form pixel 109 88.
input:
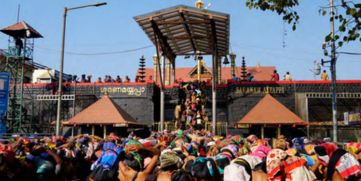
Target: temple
pixel 233 99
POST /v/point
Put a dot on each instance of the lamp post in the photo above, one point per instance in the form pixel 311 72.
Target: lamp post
pixel 333 74
pixel 58 111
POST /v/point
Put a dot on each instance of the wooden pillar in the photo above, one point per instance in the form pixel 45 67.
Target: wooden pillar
pixel 155 68
pixel 93 130
pixel 199 68
pixel 167 76
pixel 214 103
pixel 219 71
pixel 262 132
pixel 278 130
pixel 233 63
pixel 80 130
pixel 173 71
pixel 164 70
pixel 72 131
pixel 104 131
pixel 161 81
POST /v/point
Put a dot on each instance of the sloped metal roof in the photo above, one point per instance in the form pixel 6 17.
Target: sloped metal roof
pixel 270 111
pixel 21 30
pixel 103 112
pixel 184 30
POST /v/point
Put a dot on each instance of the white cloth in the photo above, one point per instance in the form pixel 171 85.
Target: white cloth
pixel 252 160
pixel 348 165
pixel 302 174
pixel 237 172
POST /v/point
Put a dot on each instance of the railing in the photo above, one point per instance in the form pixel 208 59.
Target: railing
pixel 13 52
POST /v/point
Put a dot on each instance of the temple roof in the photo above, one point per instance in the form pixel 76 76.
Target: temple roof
pixel 184 30
pixel 270 111
pixel 103 112
pixel 260 73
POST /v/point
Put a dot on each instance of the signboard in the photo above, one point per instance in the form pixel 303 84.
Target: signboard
pixel 258 90
pixel 353 117
pixel 125 91
pixel 4 97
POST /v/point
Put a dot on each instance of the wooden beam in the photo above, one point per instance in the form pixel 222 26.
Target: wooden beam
pixel 214 36
pixel 186 26
pixel 185 37
pixel 166 49
pixel 177 22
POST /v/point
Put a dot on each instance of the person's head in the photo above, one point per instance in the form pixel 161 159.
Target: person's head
pixel 280 143
pixel 134 161
pixel 287 73
pixel 181 175
pixel 324 71
pixel 205 169
pixel 275 71
pixel 231 149
pixel 324 152
pixel 169 161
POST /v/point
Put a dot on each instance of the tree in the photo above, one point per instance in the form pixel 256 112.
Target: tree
pixel 347 16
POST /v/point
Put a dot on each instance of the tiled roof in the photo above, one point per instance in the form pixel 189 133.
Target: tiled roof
pixel 20 30
pixel 260 73
pixel 103 111
pixel 269 111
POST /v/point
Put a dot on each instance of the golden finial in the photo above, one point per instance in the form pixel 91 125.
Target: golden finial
pixel 199 4
pixel 258 67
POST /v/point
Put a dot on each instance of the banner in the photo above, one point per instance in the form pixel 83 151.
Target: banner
pixel 353 117
pixel 4 97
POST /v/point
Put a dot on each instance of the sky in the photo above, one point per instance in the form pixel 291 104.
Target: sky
pixel 261 37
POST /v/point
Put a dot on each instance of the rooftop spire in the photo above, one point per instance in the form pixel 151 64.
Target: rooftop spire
pixel 199 4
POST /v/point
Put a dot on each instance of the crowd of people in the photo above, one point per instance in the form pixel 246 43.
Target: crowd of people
pixel 177 155
pixel 249 77
pixel 190 111
pixel 107 79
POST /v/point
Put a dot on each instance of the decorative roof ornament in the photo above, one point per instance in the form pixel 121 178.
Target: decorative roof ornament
pixel 199 4
pixel 141 69
pixel 243 70
pixel 258 67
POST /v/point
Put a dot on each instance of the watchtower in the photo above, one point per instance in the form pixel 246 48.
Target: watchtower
pixel 18 62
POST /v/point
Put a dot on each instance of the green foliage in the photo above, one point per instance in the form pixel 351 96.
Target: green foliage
pixel 349 21
pixel 347 16
pixel 281 7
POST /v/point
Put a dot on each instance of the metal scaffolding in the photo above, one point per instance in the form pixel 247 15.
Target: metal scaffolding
pixel 18 59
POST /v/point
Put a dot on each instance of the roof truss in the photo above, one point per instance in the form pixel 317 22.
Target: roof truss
pixel 181 30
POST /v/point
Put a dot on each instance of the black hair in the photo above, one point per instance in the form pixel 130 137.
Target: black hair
pixel 170 168
pixel 188 166
pixel 320 150
pixel 181 175
pixel 333 161
pixel 133 163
